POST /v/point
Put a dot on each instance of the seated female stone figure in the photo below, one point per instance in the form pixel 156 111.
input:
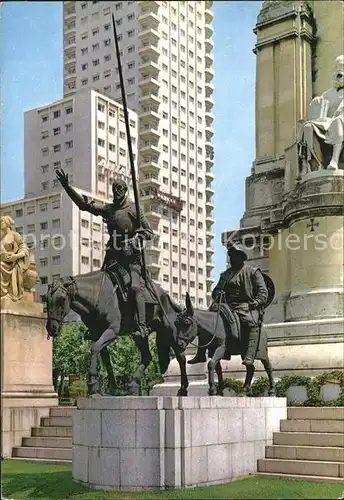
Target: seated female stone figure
pixel 15 275
pixel 327 125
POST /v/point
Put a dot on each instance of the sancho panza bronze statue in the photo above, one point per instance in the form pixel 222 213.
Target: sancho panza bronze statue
pixel 127 236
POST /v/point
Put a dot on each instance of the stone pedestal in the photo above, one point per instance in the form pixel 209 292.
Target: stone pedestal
pixel 27 390
pixel 170 442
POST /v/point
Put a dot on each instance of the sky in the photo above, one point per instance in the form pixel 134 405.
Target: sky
pixel 31 65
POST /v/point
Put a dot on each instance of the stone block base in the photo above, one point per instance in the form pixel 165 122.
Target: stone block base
pixel 169 442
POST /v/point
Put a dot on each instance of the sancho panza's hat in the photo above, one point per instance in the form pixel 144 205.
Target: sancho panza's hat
pixel 233 247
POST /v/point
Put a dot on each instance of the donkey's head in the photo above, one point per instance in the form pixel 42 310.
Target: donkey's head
pixel 186 325
pixel 59 297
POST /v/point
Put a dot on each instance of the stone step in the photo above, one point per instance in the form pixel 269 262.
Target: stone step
pixel 47 442
pixel 318 453
pixel 311 425
pixel 309 439
pixel 41 460
pixel 45 453
pixel 303 477
pixel 61 432
pixel 315 413
pixel 62 411
pixel 301 467
pixel 56 422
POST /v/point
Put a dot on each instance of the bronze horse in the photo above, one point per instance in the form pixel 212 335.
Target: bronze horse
pixel 96 299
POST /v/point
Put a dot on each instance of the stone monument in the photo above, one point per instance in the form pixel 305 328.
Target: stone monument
pixel 293 222
pixel 26 358
pixel 294 193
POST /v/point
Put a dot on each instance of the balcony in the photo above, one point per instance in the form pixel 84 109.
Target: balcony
pixel 209 219
pixel 209 192
pixel 149 132
pixel 154 266
pixel 153 214
pixel 151 248
pixel 209 279
pixel 209 234
pixel 149 166
pixel 210 204
pixel 209 147
pixel 208 4
pixel 69 27
pixel 209 30
pixel 209 161
pixel 148 4
pixel 150 84
pixel 150 68
pixel 209 103
pixel 146 115
pixel 209 175
pixel 150 99
pixel 209 45
pixel 149 50
pixel 69 57
pixel 209 89
pixel 209 16
pixel 209 60
pixel 150 180
pixel 148 19
pixel 69 43
pixel 209 74
pixel 209 132
pixel 209 118
pixel 149 149
pixel 149 35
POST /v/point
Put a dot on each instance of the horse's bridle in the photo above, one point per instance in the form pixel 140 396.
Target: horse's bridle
pixel 217 319
pixel 58 285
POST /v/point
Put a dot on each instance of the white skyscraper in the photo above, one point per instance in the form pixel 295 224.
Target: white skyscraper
pixel 166 53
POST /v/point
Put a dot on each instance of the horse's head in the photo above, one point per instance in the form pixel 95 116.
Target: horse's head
pixel 186 325
pixel 58 305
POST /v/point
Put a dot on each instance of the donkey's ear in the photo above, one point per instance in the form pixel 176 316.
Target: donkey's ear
pixel 188 303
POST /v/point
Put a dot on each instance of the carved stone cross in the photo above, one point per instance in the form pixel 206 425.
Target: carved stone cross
pixel 313 224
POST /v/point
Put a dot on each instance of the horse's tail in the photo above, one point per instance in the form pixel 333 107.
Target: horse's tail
pixel 163 350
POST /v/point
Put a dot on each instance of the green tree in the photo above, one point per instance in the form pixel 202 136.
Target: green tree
pixel 71 355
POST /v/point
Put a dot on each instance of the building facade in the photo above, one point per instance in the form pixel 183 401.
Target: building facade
pixel 166 53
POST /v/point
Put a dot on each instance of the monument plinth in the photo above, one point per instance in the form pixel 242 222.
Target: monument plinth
pixel 27 390
pixel 170 442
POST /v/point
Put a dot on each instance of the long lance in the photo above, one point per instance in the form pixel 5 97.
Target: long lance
pixel 130 148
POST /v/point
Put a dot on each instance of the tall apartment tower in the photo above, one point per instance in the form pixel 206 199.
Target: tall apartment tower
pixel 166 53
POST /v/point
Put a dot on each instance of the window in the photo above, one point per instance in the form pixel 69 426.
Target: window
pixel 68 144
pixel 85 223
pixel 96 263
pixel 131 49
pixel 44 185
pixel 55 204
pixel 95 32
pixel 131 33
pixel 45 134
pixel 101 107
pixel 43 262
pixel 57 148
pixel 57 114
pixel 112 147
pixel 107 57
pixel 44 280
pixel 95 62
pixel 56 223
pixel 44 169
pixel 69 110
pixel 44 225
pixel 45 118
pixel 112 130
pixel 95 46
pixel 101 125
pixel 95 78
pixel 101 142
pixel 131 81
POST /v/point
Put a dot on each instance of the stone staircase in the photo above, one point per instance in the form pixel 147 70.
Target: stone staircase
pixel 51 442
pixel 310 445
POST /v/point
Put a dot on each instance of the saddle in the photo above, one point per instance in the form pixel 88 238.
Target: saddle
pixel 230 320
pixel 121 279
